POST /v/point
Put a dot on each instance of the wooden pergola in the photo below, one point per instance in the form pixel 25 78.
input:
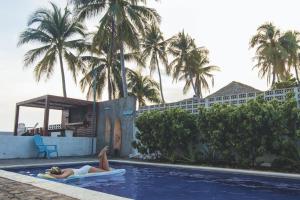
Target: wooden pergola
pixel 48 102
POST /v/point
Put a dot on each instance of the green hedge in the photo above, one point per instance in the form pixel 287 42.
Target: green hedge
pixel 226 134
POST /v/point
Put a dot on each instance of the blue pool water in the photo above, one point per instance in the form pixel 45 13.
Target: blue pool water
pixel 158 183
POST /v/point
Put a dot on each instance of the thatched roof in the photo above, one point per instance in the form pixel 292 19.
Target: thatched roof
pixel 234 88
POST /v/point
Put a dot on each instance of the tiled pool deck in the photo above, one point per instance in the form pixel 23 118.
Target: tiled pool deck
pixel 20 185
pixel 13 190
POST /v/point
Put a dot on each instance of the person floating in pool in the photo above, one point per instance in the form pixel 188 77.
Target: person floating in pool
pixel 56 172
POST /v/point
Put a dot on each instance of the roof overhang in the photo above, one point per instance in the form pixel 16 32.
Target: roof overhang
pixel 55 102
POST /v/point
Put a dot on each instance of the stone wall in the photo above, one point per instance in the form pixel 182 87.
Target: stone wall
pixel 80 114
pixel 24 147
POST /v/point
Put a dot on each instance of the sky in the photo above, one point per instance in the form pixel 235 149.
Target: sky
pixel 224 27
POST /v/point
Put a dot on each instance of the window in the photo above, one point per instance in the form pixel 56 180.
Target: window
pixel 242 96
pixel 233 102
pixel 219 98
pixel 289 90
pixel 242 101
pixel 279 97
pixel 233 96
pixel 268 98
pixel 251 94
pixel 226 97
pixel 269 92
pixel 211 99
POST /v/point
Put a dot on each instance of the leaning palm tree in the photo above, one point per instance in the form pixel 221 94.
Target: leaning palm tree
pixel 291 43
pixel 56 30
pixel 154 48
pixel 270 54
pixel 127 19
pixel 143 88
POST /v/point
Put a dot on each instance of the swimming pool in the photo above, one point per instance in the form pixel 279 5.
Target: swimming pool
pixel 161 183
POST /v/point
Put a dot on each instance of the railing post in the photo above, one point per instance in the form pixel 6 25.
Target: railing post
pixel 46 117
pixel 16 120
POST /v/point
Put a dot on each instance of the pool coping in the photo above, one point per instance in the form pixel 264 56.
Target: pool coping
pixel 178 166
pixel 60 188
pixel 216 169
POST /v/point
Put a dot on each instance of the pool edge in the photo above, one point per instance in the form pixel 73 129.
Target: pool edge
pixel 180 166
pixel 216 169
pixel 60 188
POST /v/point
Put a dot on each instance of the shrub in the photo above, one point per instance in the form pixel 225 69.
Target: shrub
pixel 172 134
pixel 227 134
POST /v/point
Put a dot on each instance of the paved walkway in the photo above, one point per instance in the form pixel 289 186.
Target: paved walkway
pixel 12 190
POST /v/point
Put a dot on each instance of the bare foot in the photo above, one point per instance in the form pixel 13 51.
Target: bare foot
pixel 104 150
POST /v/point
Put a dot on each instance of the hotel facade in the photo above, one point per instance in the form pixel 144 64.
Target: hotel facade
pixel 234 93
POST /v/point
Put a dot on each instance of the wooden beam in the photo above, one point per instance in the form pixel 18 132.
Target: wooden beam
pixel 46 117
pixel 16 120
pixel 32 100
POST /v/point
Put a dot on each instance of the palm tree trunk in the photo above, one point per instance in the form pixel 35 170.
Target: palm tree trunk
pixel 199 90
pixel 193 85
pixel 111 61
pixel 123 69
pixel 62 73
pixel 160 84
pixel 273 79
pixel 109 83
pixel 297 76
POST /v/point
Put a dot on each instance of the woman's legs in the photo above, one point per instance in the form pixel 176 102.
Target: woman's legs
pixel 103 161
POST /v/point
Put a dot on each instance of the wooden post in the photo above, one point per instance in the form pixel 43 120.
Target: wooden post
pixel 46 117
pixel 16 120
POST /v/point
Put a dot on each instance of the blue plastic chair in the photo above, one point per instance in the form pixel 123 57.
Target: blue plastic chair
pixel 44 149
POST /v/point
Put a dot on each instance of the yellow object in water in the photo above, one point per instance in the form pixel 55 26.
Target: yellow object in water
pixel 47 176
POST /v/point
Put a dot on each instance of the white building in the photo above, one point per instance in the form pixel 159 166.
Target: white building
pixel 234 93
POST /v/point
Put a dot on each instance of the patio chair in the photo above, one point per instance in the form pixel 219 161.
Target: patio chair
pixel 44 149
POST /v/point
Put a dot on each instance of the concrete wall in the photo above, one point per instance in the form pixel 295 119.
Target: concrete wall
pixel 23 146
pixel 6 133
pixel 121 111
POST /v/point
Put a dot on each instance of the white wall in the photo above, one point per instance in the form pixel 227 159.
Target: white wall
pixel 24 147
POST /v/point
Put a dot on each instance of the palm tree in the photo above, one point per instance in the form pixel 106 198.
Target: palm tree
pixel 99 73
pixel 143 88
pixel 189 63
pixel 127 19
pixel 270 55
pixel 200 71
pixel 290 42
pixel 56 30
pixel 154 48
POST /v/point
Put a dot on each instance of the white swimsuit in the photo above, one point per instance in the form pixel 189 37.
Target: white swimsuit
pixel 82 170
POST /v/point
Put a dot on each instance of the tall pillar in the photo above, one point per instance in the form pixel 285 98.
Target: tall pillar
pixel 46 117
pixel 16 120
